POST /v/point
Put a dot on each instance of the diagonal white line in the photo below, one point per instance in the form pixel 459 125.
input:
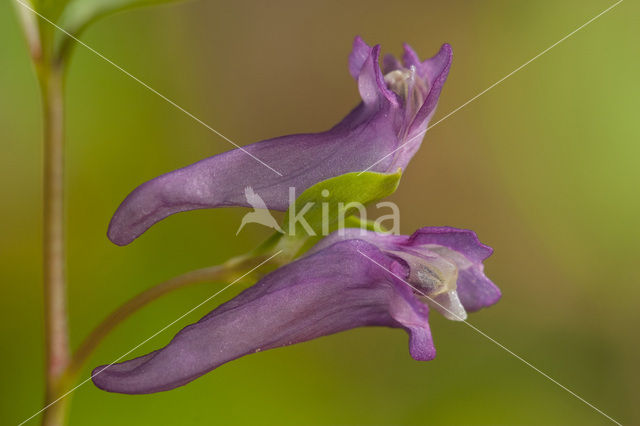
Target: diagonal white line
pixel 518 357
pixel 145 85
pixel 151 337
pixel 419 135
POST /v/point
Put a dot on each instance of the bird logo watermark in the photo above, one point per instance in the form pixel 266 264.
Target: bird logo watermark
pixel 260 213
pixel 296 215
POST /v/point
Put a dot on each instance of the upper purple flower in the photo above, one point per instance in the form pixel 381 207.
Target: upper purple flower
pixel 347 281
pixel 394 113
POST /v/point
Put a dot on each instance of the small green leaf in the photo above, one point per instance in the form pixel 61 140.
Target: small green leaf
pixel 324 205
pixel 369 225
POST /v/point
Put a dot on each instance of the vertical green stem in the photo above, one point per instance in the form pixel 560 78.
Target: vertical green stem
pixel 50 71
pixel 50 74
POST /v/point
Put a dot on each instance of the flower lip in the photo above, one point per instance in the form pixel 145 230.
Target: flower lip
pixel 433 279
pixel 463 241
pixel 435 71
pixel 371 83
pixel 460 247
pixel 429 273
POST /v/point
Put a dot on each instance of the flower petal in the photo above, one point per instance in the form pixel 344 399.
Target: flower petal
pixel 333 290
pixel 463 241
pixel 220 181
pixel 411 58
pixel 359 54
pixel 431 68
pixel 475 290
pixel 390 63
pixel 435 70
pixel 373 89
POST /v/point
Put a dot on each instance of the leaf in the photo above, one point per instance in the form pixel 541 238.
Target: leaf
pixel 320 205
pixel 29 23
pixel 369 225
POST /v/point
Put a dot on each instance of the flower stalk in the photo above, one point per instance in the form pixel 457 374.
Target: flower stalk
pixel 51 79
pixel 222 272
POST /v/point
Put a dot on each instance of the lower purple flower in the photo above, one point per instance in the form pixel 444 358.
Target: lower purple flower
pixel 347 281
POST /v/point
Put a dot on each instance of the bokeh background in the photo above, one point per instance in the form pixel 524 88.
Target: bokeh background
pixel 545 168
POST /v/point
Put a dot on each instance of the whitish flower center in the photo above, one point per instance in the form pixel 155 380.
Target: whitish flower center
pixel 407 84
pixel 435 280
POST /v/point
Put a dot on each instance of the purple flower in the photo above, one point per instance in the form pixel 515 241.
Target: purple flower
pixel 395 111
pixel 345 282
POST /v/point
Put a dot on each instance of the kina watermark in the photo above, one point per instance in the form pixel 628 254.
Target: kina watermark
pixel 332 215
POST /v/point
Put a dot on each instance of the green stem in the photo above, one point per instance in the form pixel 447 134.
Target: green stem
pixel 51 79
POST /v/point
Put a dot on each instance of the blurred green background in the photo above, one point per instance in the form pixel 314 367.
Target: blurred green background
pixel 545 168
